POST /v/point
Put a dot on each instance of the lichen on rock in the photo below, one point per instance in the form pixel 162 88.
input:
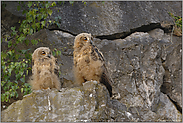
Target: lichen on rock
pixel 87 103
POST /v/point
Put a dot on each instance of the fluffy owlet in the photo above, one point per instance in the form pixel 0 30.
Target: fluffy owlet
pixel 44 70
pixel 89 62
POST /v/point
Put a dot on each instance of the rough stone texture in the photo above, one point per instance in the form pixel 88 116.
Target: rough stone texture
pixel 110 18
pixel 85 103
pixel 173 67
pixel 114 18
pixel 8 20
pixel 172 63
pixel 167 109
pixel 146 66
pixel 80 104
pixel 137 68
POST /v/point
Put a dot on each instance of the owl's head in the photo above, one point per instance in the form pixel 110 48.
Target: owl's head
pixel 42 53
pixel 83 39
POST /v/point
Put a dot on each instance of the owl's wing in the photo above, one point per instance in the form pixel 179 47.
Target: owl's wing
pixel 98 53
pixel 56 68
pixel 105 79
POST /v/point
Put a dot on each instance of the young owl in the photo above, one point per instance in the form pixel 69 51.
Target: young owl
pixel 89 62
pixel 44 70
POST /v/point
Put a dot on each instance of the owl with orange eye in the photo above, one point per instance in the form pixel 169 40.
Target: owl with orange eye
pixel 89 62
pixel 45 70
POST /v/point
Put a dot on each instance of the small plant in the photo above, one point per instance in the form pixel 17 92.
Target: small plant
pixel 56 52
pixel 178 24
pixel 19 69
pixel 71 2
pixel 178 20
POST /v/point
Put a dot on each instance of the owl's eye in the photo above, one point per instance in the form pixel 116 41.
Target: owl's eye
pixel 43 53
pixel 85 39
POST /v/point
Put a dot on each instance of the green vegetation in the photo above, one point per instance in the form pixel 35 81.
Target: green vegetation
pixel 178 24
pixel 15 63
pixel 178 20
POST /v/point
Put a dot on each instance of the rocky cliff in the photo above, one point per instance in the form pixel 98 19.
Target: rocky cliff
pixel 142 55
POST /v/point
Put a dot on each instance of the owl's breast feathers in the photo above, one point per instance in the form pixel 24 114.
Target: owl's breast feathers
pixel 46 64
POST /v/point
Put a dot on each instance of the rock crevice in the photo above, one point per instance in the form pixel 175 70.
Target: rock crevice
pixel 122 35
pixel 179 108
pixel 143 28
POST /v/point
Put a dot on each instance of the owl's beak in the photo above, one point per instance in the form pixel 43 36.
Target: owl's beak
pixel 91 41
pixel 49 56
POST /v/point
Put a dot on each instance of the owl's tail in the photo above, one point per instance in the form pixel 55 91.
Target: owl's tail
pixel 106 81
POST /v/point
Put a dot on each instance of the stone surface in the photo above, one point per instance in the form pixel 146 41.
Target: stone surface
pixel 146 65
pixel 87 103
pixel 138 70
pixel 168 109
pixel 110 18
pixel 8 20
pixel 114 18
pixel 136 66
pixel 173 68
pixel 90 103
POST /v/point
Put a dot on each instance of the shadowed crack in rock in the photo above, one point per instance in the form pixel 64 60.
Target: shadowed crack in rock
pixel 176 105
pixel 122 35
pixel 166 88
pixel 143 28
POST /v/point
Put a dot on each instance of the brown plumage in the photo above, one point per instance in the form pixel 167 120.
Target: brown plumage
pixel 89 62
pixel 44 70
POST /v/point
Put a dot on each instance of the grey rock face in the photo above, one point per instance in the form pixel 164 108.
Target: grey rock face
pixel 85 103
pixel 146 66
pixel 138 72
pixel 110 18
pixel 136 66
